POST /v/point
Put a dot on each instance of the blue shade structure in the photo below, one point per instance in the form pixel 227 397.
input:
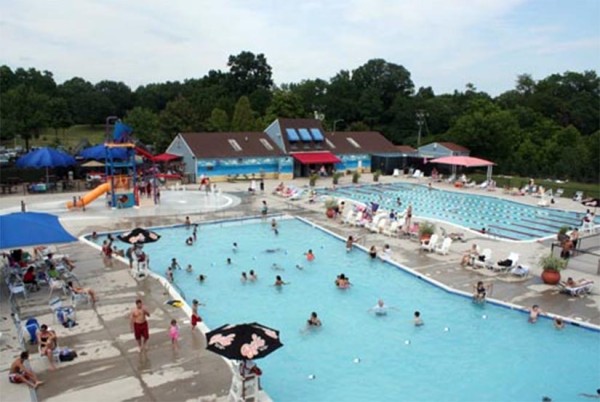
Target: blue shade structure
pixel 22 229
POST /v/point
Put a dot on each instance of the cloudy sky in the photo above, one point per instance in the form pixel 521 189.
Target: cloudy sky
pixel 443 43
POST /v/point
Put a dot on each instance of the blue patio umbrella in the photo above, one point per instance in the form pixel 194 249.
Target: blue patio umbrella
pixel 98 152
pixel 22 229
pixel 45 158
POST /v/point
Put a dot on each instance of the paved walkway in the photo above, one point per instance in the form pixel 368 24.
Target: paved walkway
pixel 109 364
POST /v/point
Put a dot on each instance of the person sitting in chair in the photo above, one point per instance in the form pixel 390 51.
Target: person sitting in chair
pixel 83 291
pixel 29 278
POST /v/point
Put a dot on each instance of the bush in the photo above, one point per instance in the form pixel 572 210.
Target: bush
pixel 355 177
pixel 376 175
pixel 426 229
pixel 336 177
pixel 552 263
pixel 312 180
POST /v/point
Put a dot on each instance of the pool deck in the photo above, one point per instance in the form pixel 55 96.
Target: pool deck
pixel 109 364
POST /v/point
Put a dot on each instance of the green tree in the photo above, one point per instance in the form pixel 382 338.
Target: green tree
pixel 487 131
pixel 23 112
pixel 385 80
pixel 59 115
pixel 145 124
pixel 285 104
pixel 119 95
pixel 179 116
pixel 244 118
pixel 249 72
pixel 218 121
pixel 312 94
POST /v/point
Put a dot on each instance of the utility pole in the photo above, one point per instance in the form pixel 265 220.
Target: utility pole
pixel 421 116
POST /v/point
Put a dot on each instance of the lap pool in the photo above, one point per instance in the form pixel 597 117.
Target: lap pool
pixel 487 353
pixel 501 218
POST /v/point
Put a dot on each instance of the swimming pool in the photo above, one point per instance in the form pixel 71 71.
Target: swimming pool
pixel 499 358
pixel 502 218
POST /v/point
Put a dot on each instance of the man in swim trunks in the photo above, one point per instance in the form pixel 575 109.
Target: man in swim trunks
pixel 195 316
pixel 139 324
pixel 19 374
pixel 314 320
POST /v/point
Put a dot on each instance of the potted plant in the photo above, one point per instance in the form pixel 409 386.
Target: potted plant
pixel 336 177
pixel 426 229
pixel 551 266
pixel 376 175
pixel 355 176
pixel 312 180
pixel 330 206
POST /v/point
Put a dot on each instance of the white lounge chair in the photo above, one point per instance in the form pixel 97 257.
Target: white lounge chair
pixel 349 217
pixel 483 185
pixel 417 174
pixel 444 248
pixel 392 229
pixel 587 227
pixel 577 290
pixel 379 227
pixel 430 245
pixel 559 192
pixel 484 260
pixel 514 261
pixel 578 197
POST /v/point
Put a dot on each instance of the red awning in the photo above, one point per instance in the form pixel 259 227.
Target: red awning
pixel 166 157
pixel 308 158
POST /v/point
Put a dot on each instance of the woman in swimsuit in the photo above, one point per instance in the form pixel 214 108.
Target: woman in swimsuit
pixel 47 342
pixel 373 252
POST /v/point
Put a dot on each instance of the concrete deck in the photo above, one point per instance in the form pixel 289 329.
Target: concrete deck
pixel 109 366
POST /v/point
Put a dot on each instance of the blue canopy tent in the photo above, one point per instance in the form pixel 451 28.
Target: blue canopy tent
pixel 22 229
pixel 45 158
pixel 98 152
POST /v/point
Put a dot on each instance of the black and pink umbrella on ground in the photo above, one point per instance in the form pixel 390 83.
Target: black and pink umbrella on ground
pixel 243 341
pixel 139 236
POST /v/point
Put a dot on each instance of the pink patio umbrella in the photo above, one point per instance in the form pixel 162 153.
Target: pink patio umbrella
pixel 466 161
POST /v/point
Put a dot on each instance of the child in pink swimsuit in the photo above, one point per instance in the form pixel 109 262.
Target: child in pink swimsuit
pixel 174 334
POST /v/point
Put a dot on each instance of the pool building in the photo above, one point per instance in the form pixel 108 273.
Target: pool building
pixel 286 149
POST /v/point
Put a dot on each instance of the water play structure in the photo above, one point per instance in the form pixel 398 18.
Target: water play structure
pixel 122 183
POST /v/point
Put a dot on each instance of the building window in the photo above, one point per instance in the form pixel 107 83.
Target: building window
pixel 266 144
pixel 354 143
pixel 329 143
pixel 234 144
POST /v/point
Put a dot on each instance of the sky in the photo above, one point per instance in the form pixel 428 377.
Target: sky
pixel 444 44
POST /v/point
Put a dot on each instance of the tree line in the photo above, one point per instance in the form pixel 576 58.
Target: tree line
pixel 543 128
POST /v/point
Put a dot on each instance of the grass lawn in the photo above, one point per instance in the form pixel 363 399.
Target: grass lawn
pixel 68 138
pixel 589 189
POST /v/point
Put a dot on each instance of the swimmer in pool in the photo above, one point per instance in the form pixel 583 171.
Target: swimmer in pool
pixel 314 320
pixel 534 312
pixel 253 277
pixel 235 247
pixel 309 255
pixel 381 308
pixel 277 267
pixel 244 278
pixel 417 320
pixel 272 250
pixel 279 282
pixel 189 269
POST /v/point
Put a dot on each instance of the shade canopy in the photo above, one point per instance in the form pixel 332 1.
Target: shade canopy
pixel 98 152
pixel 243 341
pixel 166 157
pixel 92 164
pixel 22 229
pixel 309 158
pixel 466 161
pixel 45 158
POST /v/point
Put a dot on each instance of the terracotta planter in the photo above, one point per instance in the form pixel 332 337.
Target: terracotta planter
pixel 330 213
pixel 425 238
pixel 551 277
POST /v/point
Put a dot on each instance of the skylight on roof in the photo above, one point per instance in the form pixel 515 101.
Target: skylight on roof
pixel 292 134
pixel 304 135
pixel 234 144
pixel 316 134
pixel 329 143
pixel 353 142
pixel 266 144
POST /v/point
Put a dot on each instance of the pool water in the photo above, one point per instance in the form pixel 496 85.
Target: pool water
pixel 501 218
pixel 487 353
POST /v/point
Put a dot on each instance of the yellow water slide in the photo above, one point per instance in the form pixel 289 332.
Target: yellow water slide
pixel 91 196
